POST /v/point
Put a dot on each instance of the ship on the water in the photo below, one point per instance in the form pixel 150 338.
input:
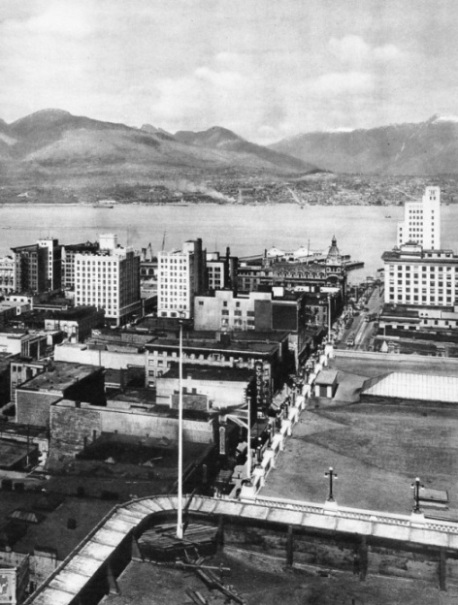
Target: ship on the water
pixel 103 204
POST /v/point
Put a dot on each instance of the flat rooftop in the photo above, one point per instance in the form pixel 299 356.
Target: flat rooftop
pixel 263 580
pixel 52 531
pixel 59 376
pixel 12 452
pixel 132 395
pixel 210 373
pixel 377 450
pixel 262 342
pixel 372 366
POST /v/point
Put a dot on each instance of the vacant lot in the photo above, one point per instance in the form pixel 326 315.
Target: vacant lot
pixel 377 451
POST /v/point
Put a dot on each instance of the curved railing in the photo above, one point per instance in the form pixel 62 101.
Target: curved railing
pixel 264 506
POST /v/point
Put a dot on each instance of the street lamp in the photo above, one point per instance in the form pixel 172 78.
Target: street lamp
pixel 180 437
pixel 416 494
pixel 332 475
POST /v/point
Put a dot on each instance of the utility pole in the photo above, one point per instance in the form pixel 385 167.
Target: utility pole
pixel 180 438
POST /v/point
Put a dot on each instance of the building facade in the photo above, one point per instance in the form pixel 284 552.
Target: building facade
pixel 225 311
pixel 421 223
pixel 53 262
pixel 298 273
pixel 221 270
pixel 415 276
pixel 38 267
pixel 68 260
pixel 6 275
pixel 181 275
pixel 109 279
pixel 239 350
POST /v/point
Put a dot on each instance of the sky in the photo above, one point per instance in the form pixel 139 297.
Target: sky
pixel 266 69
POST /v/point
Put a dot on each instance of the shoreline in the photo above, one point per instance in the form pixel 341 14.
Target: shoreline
pixel 188 204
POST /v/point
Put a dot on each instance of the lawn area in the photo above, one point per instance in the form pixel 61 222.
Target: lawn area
pixel 377 451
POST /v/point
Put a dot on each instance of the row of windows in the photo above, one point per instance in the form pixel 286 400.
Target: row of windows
pixel 416 298
pixel 407 268
pixel 433 283
pixel 95 263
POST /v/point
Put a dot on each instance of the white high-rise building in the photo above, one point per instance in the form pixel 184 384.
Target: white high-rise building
pixel 421 223
pixel 109 279
pixel 418 277
pixel 181 275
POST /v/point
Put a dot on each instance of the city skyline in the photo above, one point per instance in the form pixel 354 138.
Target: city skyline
pixel 264 70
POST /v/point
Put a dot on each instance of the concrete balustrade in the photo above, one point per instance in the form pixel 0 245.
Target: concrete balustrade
pixel 106 551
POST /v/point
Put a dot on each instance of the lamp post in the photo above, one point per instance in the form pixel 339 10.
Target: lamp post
pixel 416 494
pixel 180 437
pixel 332 475
pixel 329 317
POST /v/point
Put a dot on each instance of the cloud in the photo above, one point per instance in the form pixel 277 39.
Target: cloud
pixel 62 19
pixel 342 83
pixel 353 50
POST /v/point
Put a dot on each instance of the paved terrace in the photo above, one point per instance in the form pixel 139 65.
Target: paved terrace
pixel 93 555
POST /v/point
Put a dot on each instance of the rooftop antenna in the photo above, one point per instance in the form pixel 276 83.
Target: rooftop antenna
pixel 163 242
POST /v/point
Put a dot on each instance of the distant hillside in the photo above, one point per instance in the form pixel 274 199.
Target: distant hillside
pixel 53 145
pixel 426 148
pixel 227 141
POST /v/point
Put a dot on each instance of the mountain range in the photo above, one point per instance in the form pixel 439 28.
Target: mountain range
pixel 54 145
pixel 426 148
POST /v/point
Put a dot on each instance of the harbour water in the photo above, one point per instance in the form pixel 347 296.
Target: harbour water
pixel 365 232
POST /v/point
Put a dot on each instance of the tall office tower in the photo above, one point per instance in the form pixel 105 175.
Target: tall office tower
pixel 421 223
pixel 181 276
pixel 53 261
pixel 37 268
pixel 68 260
pixel 109 278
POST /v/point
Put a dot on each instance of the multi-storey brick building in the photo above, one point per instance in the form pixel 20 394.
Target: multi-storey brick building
pixel 37 267
pixel 6 275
